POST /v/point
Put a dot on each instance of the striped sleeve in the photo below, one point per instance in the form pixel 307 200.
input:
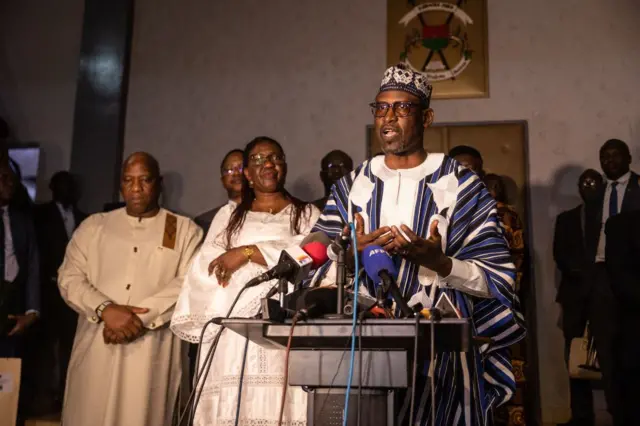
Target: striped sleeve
pixel 475 236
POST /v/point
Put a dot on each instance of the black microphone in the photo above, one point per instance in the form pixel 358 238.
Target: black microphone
pixel 379 267
pixel 338 245
pixel 390 285
pixel 294 265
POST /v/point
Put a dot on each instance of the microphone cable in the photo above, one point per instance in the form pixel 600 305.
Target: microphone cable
pixel 190 407
pixel 414 370
pixel 359 415
pixel 286 368
pixel 204 371
pixel 355 323
pixel 244 361
pixel 432 362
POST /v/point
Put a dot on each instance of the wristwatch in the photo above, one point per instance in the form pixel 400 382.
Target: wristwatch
pixel 248 251
pixel 100 308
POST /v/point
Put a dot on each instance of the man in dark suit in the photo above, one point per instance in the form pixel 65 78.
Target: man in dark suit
pixel 19 279
pixel 623 258
pixel 55 223
pixel 231 178
pixel 19 269
pixel 570 254
pixel 621 194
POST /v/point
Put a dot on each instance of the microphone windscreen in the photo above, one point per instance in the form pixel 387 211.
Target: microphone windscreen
pixel 317 252
pixel 317 236
pixel 376 259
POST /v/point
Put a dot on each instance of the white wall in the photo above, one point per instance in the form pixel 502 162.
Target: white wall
pixel 39 50
pixel 209 76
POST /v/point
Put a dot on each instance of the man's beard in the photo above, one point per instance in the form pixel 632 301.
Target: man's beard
pixel 401 148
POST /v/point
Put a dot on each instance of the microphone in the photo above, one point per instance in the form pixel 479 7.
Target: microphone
pixel 317 236
pixel 380 268
pixel 294 264
pixel 315 250
pixel 333 247
pixel 336 251
pixel 338 245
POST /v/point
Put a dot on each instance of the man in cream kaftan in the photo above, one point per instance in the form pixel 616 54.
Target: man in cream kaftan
pixel 120 258
pixel 130 262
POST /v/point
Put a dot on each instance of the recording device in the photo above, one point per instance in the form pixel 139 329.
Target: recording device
pixel 317 302
pixel 302 304
pixel 380 269
pixel 314 303
pixel 447 307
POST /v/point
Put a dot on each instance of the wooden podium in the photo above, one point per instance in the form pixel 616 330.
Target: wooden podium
pixel 9 390
pixel 319 360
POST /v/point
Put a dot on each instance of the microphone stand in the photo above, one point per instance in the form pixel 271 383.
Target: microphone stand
pixel 341 277
pixel 283 289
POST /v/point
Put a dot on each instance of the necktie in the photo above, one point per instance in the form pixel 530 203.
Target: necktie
pixel 613 200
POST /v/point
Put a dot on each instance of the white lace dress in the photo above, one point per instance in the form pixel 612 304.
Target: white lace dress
pixel 202 298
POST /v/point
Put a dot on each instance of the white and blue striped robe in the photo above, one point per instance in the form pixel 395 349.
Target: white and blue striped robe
pixel 465 392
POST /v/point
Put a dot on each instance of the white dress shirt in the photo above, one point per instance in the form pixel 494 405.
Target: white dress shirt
pixel 621 189
pixel 11 267
pixel 400 192
pixel 67 218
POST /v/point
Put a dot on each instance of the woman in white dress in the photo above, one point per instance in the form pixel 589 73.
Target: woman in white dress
pixel 242 243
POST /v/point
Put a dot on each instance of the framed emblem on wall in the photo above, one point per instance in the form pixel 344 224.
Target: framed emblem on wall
pixel 447 40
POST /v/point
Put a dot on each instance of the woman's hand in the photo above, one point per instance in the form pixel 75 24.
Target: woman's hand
pixel 225 265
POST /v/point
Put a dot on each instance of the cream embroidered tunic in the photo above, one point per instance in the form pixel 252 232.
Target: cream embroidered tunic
pixel 114 256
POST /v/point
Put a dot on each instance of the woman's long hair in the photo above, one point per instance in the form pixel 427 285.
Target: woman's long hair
pixel 300 208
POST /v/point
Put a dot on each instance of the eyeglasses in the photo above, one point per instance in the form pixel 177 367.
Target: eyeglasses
pixel 589 184
pixel 261 159
pixel 400 109
pixel 335 166
pixel 232 171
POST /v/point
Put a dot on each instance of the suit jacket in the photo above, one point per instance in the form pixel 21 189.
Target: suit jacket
pixel 204 220
pixel 52 243
pixel 593 225
pixel 24 294
pixel 574 262
pixel 623 260
pixel 52 237
pixel 569 253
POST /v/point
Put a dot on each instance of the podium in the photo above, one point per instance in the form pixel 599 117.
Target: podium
pixel 320 358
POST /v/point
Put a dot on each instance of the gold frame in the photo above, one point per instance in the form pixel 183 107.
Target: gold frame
pixel 464 27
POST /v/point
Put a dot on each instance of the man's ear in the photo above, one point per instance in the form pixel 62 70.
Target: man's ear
pixel 427 118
